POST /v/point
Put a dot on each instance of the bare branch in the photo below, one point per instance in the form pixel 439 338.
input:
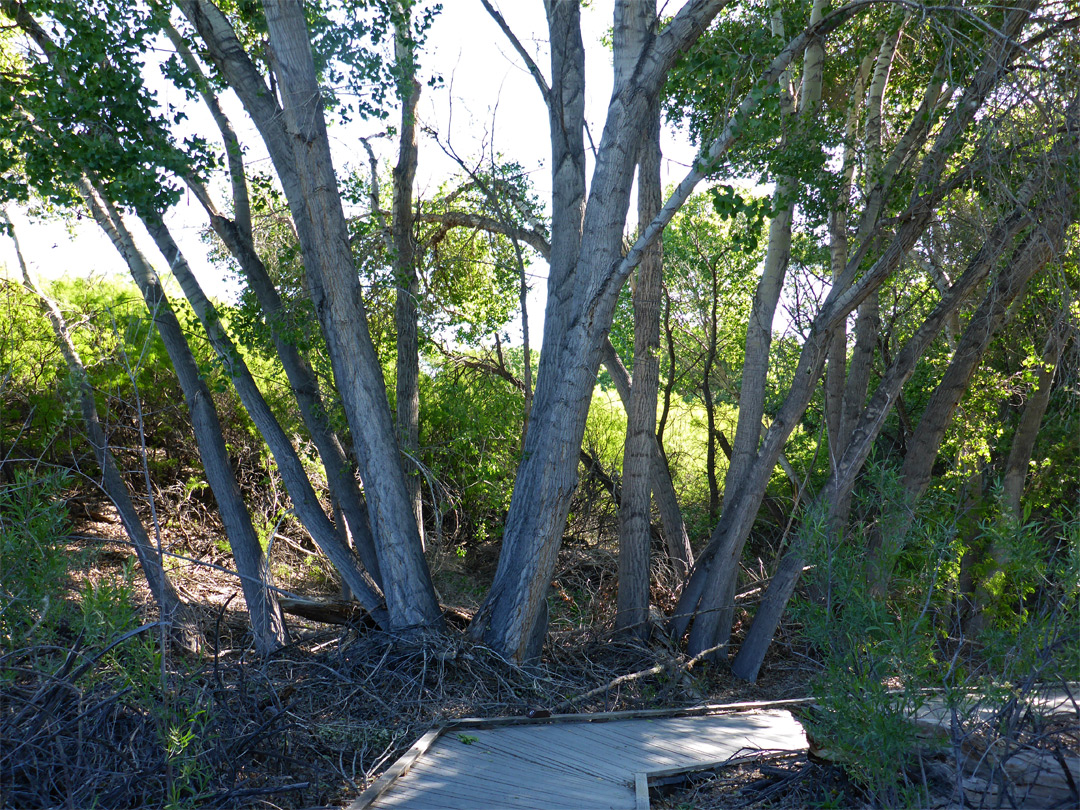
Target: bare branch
pixel 534 69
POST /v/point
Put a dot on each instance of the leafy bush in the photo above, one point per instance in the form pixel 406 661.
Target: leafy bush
pixel 880 656
pixel 32 518
pixel 470 425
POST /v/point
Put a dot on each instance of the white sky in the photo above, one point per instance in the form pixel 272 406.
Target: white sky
pixel 487 99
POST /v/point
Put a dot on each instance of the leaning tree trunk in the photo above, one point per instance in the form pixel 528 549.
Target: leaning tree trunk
pixel 712 433
pixel 267 621
pixel 1027 431
pixel 635 510
pixel 238 238
pixel 173 611
pixel 1040 247
pixel 297 142
pixel 305 387
pixel 755 371
pixel 837 491
pixel 338 300
pixel 708 599
pixel 304 499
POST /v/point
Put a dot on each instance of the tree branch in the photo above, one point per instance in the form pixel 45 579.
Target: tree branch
pixel 534 69
pixel 464 219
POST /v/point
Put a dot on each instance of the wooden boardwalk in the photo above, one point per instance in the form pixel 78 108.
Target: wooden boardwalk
pixel 571 762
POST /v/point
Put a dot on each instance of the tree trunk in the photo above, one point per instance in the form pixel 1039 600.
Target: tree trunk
pixel 404 267
pixel 237 236
pixel 581 300
pixel 836 370
pixel 267 621
pixel 676 539
pixel 639 448
pixel 296 139
pixel 755 371
pixel 513 616
pixel 172 609
pixel 1040 247
pixel 1023 443
pixel 841 482
pixel 708 599
pixel 868 320
pixel 338 301
pixel 304 499
pixel 710 405
pixel 305 387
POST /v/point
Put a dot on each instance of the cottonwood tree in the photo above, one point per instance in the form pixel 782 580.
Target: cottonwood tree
pixel 930 173
pixel 936 142
pixel 66 140
pixel 295 136
pixel 237 233
pixel 1050 219
pixel 587 269
pixel 639 449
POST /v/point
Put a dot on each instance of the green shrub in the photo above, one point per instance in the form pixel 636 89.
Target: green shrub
pixel 470 439
pixel 880 656
pixel 33 562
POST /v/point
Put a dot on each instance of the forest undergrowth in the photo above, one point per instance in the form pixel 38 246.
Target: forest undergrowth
pixel 100 707
pixel 94 713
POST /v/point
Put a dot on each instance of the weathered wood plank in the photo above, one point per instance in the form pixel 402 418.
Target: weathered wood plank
pixel 509 772
pixel 544 754
pixel 571 762
pixel 580 762
pixel 568 745
pixel 637 714
pixel 379 786
pixel 707 738
pixel 406 797
pixel 641 791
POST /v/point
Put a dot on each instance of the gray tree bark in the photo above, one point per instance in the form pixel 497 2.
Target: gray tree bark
pixel 407 389
pixel 708 599
pixel 676 540
pixel 836 368
pixel 238 238
pixel 755 371
pixel 639 447
pixel 304 499
pixel 267 621
pixel 868 319
pixel 836 493
pixel 296 137
pixel 171 607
